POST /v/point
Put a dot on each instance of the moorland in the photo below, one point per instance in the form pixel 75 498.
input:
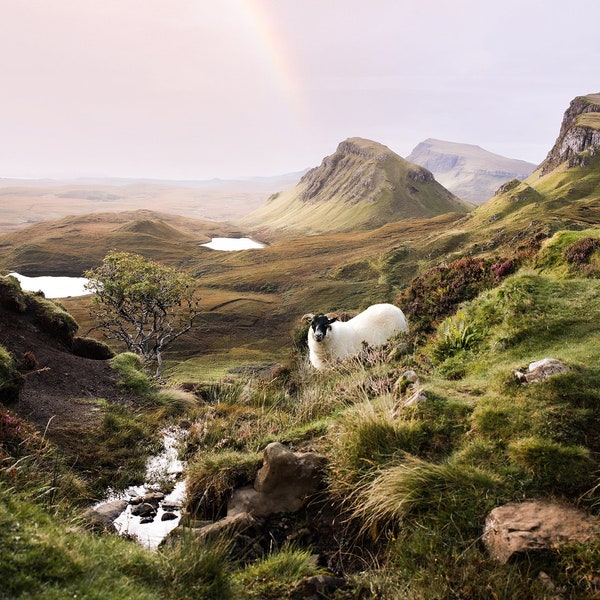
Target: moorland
pixel 409 478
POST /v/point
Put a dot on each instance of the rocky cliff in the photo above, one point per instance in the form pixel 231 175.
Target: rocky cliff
pixel 579 137
pixel 362 185
pixel 468 171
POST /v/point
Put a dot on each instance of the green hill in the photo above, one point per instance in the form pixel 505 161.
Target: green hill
pixel 363 185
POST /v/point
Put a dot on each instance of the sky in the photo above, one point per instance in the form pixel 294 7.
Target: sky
pixel 198 89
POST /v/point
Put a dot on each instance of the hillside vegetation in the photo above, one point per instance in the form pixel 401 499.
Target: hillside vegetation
pixel 407 486
pixel 419 439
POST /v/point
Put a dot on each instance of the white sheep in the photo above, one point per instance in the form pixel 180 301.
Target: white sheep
pixel 330 340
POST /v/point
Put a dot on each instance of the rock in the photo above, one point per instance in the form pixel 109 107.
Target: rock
pixel 541 370
pixel 154 498
pixel 229 526
pixel 144 510
pixel 168 516
pixel 146 520
pixel 317 586
pixel 535 525
pixel 102 517
pixel 282 484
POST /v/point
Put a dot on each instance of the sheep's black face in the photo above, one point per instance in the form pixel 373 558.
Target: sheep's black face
pixel 320 326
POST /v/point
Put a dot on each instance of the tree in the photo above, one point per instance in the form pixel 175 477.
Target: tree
pixel 144 304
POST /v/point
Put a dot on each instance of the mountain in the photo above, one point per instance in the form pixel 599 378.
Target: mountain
pixel 363 185
pixel 579 138
pixel 468 171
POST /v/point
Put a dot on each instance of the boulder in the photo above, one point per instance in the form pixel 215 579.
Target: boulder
pixel 541 370
pixel 517 528
pixel 102 516
pixel 282 484
pixel 144 510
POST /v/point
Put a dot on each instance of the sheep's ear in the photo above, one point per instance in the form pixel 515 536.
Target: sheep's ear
pixel 332 320
pixel 308 317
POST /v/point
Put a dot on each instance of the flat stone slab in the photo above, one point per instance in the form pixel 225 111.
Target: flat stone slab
pixel 535 525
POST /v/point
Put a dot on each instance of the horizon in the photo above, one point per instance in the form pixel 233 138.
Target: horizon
pixel 196 91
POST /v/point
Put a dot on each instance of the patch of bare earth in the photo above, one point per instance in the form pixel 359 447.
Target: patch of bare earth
pixel 60 389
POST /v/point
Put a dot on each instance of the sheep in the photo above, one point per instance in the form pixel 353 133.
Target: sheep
pixel 330 340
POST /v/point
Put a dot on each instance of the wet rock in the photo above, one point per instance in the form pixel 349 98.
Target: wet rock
pixel 103 516
pixel 146 520
pixel 282 484
pixel 154 498
pixel 541 370
pixel 168 516
pixel 144 510
pixel 518 528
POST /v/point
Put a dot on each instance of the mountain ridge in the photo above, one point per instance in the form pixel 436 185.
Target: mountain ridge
pixel 467 170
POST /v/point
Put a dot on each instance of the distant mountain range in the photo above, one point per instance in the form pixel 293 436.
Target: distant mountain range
pixel 362 185
pixel 468 171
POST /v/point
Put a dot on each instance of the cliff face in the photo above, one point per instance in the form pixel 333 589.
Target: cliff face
pixel 468 171
pixel 579 137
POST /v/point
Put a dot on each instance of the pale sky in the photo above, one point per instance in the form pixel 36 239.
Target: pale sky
pixel 195 89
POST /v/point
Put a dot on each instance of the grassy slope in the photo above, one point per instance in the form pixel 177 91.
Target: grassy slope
pixel 477 441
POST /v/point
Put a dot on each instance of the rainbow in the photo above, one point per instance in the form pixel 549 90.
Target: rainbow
pixel 272 46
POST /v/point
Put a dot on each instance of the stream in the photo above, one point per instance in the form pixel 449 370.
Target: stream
pixel 161 470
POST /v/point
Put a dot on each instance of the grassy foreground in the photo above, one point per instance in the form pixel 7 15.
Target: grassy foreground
pixel 412 484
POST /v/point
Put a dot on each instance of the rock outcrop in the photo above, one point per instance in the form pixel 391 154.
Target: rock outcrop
pixel 282 485
pixel 579 137
pixel 519 528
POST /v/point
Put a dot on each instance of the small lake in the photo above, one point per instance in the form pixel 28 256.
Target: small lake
pixel 233 244
pixel 53 287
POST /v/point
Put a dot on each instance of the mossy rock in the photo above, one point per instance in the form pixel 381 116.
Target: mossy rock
pixel 11 294
pixel 53 319
pixel 91 348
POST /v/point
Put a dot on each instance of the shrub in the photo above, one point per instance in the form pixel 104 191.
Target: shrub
pixel 455 334
pixel 18 438
pixel 579 252
pixel 436 293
